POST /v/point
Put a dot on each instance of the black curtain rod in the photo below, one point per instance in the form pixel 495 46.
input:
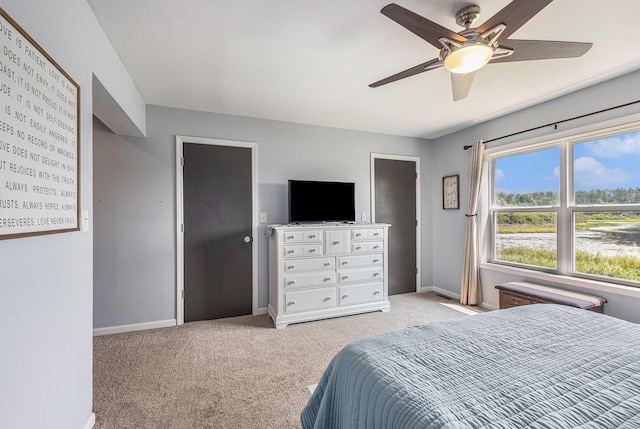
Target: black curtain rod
pixel 555 124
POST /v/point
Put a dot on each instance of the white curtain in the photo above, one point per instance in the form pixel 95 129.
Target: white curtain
pixel 470 286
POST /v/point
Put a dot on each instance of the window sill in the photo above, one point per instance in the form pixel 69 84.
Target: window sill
pixel 577 282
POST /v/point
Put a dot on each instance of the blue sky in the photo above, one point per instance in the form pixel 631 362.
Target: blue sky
pixel 608 163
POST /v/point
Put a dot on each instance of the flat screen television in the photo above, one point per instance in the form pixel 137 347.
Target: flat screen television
pixel 315 201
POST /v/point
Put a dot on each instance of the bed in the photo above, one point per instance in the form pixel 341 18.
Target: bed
pixel 538 366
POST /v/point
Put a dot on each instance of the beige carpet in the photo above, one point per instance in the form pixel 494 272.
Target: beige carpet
pixel 232 373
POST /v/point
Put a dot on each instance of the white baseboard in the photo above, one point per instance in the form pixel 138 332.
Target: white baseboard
pixel 446 293
pixel 439 291
pixel 134 327
pixel 455 296
pixel 147 325
pixel 488 306
pixel 91 422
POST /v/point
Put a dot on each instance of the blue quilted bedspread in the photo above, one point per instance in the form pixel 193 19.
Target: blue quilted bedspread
pixel 536 366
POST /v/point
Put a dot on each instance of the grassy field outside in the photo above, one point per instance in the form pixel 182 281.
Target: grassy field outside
pixel 623 266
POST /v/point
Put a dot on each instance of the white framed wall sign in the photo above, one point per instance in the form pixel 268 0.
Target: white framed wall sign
pixel 450 192
pixel 39 139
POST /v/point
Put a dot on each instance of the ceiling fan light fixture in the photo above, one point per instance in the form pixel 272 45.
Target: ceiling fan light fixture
pixel 468 59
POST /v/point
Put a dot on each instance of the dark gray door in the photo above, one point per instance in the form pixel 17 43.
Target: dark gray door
pixel 217 204
pixel 395 203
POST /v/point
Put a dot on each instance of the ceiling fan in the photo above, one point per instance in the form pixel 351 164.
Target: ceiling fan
pixel 467 51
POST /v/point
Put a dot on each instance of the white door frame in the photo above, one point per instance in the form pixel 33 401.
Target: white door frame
pixel 180 141
pixel 415 159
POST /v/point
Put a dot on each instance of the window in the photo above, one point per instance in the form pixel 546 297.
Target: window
pixel 570 206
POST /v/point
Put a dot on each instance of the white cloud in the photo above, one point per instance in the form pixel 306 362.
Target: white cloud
pixel 590 173
pixel 498 175
pixel 615 147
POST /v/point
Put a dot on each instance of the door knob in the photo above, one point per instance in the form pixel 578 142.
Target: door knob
pixel 247 239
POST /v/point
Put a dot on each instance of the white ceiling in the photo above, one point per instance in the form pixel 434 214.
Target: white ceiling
pixel 312 61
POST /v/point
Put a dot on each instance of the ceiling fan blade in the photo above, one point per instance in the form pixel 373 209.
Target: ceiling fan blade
pixel 526 50
pixel 420 68
pixel 514 15
pixel 461 84
pixel 420 26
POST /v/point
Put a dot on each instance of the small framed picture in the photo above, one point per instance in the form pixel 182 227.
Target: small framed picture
pixel 450 192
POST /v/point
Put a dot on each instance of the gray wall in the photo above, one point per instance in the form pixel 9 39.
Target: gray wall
pixel 132 194
pixel 46 304
pixel 449 158
pixel 134 249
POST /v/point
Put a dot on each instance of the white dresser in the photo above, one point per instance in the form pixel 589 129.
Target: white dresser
pixel 317 271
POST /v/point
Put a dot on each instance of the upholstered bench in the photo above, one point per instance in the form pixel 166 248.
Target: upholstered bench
pixel 514 294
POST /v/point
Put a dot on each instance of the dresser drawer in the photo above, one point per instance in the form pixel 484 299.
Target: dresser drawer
pixel 367 234
pixel 367 247
pixel 307 300
pixel 336 242
pixel 360 275
pixel 303 250
pixel 508 300
pixel 302 236
pixel 309 264
pixel 359 261
pixel 298 280
pixel 360 293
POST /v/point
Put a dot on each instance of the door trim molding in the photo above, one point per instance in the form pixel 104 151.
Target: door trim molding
pixel 180 141
pixel 415 159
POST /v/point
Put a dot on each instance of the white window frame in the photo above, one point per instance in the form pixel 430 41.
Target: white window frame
pixel 565 271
